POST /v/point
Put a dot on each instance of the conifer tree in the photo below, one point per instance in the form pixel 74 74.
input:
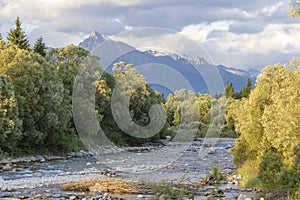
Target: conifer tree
pixel 229 91
pixel 39 47
pixel 17 36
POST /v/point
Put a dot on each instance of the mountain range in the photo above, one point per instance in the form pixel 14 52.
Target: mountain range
pixel 165 71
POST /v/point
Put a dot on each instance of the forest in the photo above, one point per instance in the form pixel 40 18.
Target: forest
pixel 36 86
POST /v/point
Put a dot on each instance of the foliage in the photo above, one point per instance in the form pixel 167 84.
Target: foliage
pixel 269 169
pixel 188 110
pixel 294 9
pixel 216 174
pixel 133 90
pixel 10 123
pixel 229 91
pixel 17 36
pixel 268 121
pixel 40 47
pixel 167 190
pixel 245 91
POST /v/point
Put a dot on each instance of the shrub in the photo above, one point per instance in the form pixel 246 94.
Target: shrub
pixel 269 170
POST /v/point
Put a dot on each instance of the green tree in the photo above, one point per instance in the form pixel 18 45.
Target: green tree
pixel 268 121
pixel 10 123
pixel 133 85
pixel 229 91
pixel 269 168
pixel 245 91
pixel 40 95
pixel 171 106
pixel 68 61
pixel 17 36
pixel 40 47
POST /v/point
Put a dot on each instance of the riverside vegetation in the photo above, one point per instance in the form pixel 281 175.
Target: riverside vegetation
pixel 36 110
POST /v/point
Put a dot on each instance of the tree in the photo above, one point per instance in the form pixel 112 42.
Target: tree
pixel 10 123
pixel 135 96
pixel 229 91
pixel 43 109
pixel 294 9
pixel 39 47
pixel 245 91
pixel 17 36
pixel 268 121
pixel 1 37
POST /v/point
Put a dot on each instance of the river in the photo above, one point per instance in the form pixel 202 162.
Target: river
pixel 193 160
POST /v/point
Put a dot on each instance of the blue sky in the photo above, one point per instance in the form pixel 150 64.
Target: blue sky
pixel 240 34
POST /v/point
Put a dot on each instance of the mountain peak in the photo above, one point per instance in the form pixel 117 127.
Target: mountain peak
pixel 98 36
pixel 93 39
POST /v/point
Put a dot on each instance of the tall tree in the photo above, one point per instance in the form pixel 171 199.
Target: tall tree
pixel 17 36
pixel 10 123
pixel 1 36
pixel 229 91
pixel 245 91
pixel 40 47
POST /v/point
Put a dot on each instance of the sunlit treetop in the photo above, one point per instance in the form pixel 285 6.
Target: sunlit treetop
pixel 294 8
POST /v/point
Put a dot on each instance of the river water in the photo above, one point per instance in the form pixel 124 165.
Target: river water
pixel 174 161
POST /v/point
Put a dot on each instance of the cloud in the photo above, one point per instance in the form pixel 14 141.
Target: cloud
pixel 247 27
pixel 234 33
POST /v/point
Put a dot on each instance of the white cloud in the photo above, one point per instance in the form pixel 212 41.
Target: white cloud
pixel 199 32
pixel 234 33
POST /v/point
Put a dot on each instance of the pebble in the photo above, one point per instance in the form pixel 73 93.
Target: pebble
pixel 73 197
pixel 140 197
pixel 212 151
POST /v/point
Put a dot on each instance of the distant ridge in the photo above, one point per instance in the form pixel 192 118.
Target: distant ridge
pixel 111 51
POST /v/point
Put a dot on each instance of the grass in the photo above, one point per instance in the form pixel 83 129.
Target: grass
pixel 249 174
pixel 216 174
pixel 167 190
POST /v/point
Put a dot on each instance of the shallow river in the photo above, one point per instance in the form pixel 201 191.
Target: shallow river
pixel 171 162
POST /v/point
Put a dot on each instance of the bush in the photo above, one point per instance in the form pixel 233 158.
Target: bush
pixel 216 174
pixel 239 151
pixel 169 191
pixel 269 170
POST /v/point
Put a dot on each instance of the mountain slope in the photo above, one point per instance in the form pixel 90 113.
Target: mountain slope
pixel 167 72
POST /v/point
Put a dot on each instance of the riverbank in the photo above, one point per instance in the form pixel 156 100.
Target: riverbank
pixel 194 163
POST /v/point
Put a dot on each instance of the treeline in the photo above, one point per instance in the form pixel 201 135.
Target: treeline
pixel 36 113
pixel 36 97
pixel 267 152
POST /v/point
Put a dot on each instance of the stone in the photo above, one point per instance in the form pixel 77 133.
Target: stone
pixel 19 169
pixel 243 197
pixel 212 151
pixel 163 197
pixel 73 197
pixel 206 145
pixel 22 197
pixel 7 167
pixel 140 197
pixel 37 196
pixel 168 137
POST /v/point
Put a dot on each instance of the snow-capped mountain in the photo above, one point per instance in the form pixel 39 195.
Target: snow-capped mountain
pixel 194 69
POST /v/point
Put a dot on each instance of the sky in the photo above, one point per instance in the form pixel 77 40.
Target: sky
pixel 235 33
